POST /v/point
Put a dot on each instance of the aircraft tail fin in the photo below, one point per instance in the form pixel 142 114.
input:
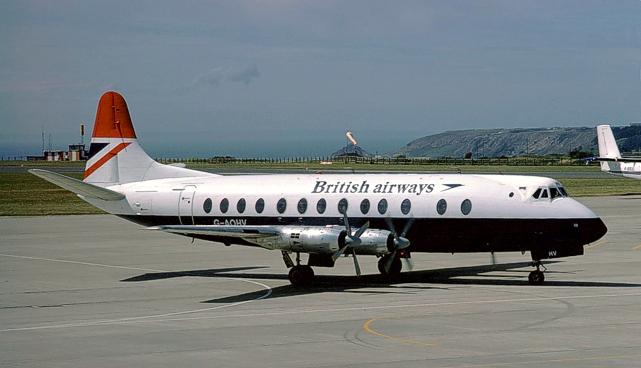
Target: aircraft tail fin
pixel 115 157
pixel 607 144
pixel 608 149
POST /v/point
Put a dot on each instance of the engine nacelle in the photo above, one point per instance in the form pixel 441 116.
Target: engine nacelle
pixel 311 239
pixel 375 242
pixel 327 240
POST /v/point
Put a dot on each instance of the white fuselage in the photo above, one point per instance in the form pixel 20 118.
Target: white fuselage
pixel 490 196
pixel 452 212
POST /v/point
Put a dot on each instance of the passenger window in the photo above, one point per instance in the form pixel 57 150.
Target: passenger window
pixel 382 206
pixel 281 206
pixel 342 206
pixel 537 194
pixel 240 206
pixel 260 205
pixel 466 207
pixel 406 206
pixel 365 206
pixel 321 206
pixel 302 206
pixel 224 205
pixel 207 205
pixel 441 207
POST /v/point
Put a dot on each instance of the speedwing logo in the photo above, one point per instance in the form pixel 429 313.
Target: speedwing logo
pixel 104 159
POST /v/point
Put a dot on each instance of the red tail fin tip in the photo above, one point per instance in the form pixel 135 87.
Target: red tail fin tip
pixel 112 118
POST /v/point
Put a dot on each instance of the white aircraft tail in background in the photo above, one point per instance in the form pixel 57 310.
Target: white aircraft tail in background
pixel 610 157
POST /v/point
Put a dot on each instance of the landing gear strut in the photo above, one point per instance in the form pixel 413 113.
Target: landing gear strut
pixel 299 275
pixel 537 277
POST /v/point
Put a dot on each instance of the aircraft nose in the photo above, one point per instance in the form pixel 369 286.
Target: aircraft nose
pixel 593 230
pixel 588 223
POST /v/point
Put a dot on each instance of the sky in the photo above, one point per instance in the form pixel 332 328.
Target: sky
pixel 289 78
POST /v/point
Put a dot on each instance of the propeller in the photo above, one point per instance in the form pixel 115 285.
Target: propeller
pixel 408 263
pixel 351 241
pixel 398 242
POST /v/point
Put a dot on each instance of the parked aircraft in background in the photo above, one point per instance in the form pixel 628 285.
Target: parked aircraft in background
pixel 328 216
pixel 610 157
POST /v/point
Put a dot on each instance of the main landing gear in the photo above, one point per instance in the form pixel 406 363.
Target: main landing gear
pixel 537 277
pixel 299 275
pixel 389 266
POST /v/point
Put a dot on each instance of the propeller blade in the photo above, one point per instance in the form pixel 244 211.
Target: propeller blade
pixel 407 227
pixel 346 221
pixel 356 266
pixel 361 230
pixel 388 264
pixel 339 253
pixel 390 226
pixel 409 263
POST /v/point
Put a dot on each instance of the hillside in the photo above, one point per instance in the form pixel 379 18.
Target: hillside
pixel 503 142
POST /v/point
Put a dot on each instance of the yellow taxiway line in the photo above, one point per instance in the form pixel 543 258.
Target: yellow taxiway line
pixel 367 328
pixel 595 244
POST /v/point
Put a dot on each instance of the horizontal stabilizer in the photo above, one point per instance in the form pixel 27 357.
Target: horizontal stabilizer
pixel 77 186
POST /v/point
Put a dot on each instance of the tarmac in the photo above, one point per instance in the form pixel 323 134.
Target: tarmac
pixel 98 291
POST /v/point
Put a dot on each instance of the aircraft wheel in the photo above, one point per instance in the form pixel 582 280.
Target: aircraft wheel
pixel 536 278
pixel 301 275
pixel 395 268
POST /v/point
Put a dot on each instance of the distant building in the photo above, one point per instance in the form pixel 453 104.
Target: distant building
pixel 55 155
pixel 76 153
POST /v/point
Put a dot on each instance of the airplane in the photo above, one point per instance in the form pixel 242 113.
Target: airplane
pixel 330 216
pixel 610 158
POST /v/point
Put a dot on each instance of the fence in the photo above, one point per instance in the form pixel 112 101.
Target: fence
pixel 508 161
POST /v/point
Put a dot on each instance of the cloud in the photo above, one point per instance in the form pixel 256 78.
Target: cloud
pixel 216 76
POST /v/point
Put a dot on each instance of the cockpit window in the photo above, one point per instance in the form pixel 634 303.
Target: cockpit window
pixel 551 193
pixel 563 192
pixel 537 194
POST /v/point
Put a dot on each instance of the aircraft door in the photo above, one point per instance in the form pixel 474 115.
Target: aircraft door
pixel 186 205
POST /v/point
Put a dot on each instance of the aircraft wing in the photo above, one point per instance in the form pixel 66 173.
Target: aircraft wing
pixel 248 233
pixel 78 186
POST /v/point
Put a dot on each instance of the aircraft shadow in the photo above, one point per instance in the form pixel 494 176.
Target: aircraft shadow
pixel 427 279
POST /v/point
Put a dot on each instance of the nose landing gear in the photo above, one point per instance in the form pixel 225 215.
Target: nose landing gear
pixel 537 277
